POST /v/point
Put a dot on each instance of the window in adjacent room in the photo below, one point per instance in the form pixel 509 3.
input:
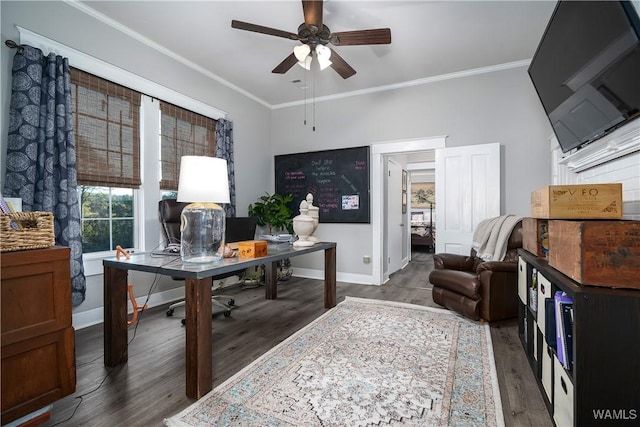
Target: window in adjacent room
pixel 107 134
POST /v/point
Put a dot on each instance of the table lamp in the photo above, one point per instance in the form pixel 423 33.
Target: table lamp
pixel 203 184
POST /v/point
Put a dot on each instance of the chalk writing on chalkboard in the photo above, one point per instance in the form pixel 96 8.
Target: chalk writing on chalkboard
pixel 337 179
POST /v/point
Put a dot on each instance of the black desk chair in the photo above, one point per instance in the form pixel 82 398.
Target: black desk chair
pixel 237 229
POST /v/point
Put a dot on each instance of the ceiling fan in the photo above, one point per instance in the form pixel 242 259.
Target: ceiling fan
pixel 315 36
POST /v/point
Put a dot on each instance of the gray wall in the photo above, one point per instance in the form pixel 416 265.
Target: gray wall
pixel 495 107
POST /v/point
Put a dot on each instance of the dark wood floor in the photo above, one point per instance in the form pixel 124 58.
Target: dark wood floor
pixel 151 386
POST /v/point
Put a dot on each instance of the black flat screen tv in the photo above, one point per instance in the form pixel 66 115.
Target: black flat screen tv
pixel 586 69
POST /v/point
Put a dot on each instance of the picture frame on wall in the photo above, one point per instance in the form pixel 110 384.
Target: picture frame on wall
pixel 423 195
pixel 404 181
pixel 404 202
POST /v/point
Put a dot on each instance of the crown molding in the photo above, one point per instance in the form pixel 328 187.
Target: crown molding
pixel 412 83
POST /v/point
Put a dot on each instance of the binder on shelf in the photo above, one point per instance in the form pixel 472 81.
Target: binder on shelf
pixel 533 291
pixel 550 323
pixel 561 299
pixel 567 320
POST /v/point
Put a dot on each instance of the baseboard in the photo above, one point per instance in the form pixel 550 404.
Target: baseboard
pixel 308 273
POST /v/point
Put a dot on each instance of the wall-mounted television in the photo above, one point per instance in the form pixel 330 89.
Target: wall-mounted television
pixel 586 69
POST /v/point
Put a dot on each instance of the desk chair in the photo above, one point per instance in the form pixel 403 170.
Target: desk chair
pixel 236 229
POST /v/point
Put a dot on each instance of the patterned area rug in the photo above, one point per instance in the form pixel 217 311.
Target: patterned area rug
pixel 363 363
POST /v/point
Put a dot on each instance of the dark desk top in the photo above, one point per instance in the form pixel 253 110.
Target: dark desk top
pixel 172 265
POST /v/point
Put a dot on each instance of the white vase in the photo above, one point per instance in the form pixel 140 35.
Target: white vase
pixel 303 226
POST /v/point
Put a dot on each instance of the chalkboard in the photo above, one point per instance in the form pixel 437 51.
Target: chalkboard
pixel 337 179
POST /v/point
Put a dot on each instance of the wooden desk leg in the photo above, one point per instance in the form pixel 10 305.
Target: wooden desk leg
pixel 115 317
pixel 330 277
pixel 198 355
pixel 271 280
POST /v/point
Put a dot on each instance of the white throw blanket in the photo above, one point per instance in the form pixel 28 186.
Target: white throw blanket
pixel 491 236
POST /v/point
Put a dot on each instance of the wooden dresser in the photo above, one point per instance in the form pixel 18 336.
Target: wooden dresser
pixel 38 342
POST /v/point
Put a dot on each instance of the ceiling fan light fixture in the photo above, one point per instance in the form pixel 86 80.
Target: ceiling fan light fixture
pixel 323 53
pixel 301 52
pixel 314 35
pixel 323 62
pixel 306 64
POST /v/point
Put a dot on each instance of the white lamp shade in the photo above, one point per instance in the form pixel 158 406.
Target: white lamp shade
pixel 203 179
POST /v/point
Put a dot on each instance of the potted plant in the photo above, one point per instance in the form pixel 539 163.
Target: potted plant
pixel 272 210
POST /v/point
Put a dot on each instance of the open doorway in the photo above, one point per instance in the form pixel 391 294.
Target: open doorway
pixel 422 218
pixel 468 175
pixel 379 156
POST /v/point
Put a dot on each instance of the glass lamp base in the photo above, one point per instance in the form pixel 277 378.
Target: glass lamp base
pixel 202 228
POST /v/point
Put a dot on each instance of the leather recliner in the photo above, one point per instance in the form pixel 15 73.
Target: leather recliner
pixel 478 289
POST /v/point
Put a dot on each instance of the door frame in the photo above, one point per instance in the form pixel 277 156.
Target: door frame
pixel 378 151
pixel 394 241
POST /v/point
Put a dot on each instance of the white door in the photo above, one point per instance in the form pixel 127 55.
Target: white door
pixel 467 191
pixel 395 225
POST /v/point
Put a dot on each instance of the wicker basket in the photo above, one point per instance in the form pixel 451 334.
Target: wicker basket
pixel 35 232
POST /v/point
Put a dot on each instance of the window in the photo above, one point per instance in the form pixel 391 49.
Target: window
pixel 107 218
pixel 182 133
pixel 107 131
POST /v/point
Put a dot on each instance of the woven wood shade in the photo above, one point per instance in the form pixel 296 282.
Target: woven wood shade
pixel 183 133
pixel 107 131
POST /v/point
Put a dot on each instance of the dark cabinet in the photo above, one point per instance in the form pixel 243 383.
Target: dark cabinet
pixel 603 386
pixel 38 339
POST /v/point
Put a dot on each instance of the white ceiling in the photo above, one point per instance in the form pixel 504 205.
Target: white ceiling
pixel 429 39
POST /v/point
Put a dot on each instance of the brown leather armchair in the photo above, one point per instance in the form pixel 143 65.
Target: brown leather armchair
pixel 478 289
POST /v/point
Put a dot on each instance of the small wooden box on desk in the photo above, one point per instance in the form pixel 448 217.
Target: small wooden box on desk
pixel 606 347
pixel 252 249
pixel 38 341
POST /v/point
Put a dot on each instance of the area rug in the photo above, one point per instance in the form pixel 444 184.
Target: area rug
pixel 364 363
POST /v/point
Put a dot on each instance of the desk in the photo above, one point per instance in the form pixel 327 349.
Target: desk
pixel 199 375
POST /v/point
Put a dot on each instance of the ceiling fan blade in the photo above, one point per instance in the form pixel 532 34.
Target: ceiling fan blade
pixel 312 14
pixel 360 37
pixel 263 30
pixel 340 65
pixel 285 65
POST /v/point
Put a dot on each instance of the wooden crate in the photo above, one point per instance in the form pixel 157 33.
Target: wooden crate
pixel 252 249
pixel 535 236
pixel 597 252
pixel 589 201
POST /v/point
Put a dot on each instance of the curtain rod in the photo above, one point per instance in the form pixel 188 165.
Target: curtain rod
pixel 14 45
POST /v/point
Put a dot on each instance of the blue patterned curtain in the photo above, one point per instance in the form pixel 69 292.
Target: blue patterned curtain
pixel 41 154
pixel 224 150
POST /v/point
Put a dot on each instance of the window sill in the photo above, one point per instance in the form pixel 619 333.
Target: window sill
pixel 93 262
